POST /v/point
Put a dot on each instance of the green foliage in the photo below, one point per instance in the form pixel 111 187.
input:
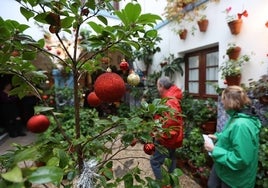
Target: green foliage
pixel 59 156
pixel 233 67
pixel 259 88
pixel 198 111
pixel 173 65
pixel 262 180
pixel 195 144
pixel 171 179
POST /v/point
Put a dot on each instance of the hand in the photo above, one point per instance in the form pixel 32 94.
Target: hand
pixel 208 146
pixel 213 137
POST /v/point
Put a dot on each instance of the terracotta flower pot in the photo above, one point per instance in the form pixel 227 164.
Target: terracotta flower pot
pixel 234 53
pixel 183 34
pixel 203 25
pixel 209 127
pixel 233 80
pixel 235 26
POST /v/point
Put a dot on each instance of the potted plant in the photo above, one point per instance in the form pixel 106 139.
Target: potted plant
pixel 231 69
pixel 172 65
pixel 183 33
pixel 209 115
pixel 203 23
pixel 259 89
pixel 233 51
pixel 234 21
pixel 197 157
pixel 203 173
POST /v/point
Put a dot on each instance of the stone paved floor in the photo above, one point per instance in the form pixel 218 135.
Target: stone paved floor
pixel 23 140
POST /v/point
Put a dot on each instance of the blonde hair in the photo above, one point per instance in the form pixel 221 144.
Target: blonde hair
pixel 235 98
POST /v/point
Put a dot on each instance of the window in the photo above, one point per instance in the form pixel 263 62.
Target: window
pixel 201 72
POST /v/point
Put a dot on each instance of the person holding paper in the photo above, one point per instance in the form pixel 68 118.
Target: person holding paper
pixel 235 152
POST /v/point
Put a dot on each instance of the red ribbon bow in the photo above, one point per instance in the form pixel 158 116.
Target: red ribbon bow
pixel 244 13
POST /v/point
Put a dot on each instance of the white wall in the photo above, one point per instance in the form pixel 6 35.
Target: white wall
pixel 253 36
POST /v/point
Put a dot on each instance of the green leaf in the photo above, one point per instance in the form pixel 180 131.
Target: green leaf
pixel 122 17
pixel 41 18
pixel 148 18
pixel 108 173
pixel 132 12
pixel 22 27
pixel 67 22
pixel 15 175
pixel 26 13
pixel 128 180
pixel 97 28
pixel 29 55
pixel 53 161
pixel 151 33
pixel 91 4
pixel 29 153
pixel 103 19
pixel 134 44
pixel 64 160
pixel 46 174
pixel 152 183
pixel 109 164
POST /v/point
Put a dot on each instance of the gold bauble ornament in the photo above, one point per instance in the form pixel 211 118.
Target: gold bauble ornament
pixel 133 79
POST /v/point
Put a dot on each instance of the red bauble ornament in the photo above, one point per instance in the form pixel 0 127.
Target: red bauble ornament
pixel 93 99
pixel 38 123
pixel 149 148
pixel 124 65
pixel 109 87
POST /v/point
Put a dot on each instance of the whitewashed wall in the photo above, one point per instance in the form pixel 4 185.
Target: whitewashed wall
pixel 253 36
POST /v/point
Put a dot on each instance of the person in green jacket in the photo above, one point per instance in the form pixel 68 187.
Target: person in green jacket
pixel 235 153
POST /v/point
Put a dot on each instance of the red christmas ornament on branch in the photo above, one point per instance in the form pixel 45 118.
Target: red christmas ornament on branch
pixel 124 65
pixel 93 99
pixel 109 87
pixel 149 148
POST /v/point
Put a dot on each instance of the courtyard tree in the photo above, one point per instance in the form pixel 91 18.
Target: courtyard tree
pixel 85 152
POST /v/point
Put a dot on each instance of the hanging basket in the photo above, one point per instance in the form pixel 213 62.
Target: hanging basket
pixel 183 34
pixel 234 53
pixel 203 25
pixel 235 26
pixel 233 80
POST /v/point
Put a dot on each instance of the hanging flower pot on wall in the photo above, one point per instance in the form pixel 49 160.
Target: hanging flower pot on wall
pixel 183 34
pixel 233 80
pixel 235 26
pixel 233 52
pixel 203 25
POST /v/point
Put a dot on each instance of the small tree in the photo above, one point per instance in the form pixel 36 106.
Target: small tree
pixel 60 18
